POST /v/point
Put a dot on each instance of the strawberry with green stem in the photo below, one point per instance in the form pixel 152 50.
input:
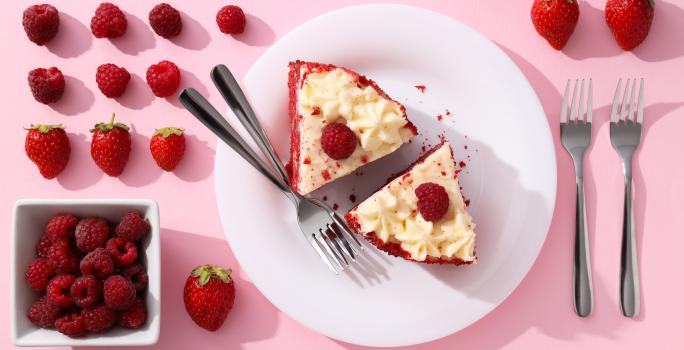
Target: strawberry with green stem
pixel 167 147
pixel 48 147
pixel 555 20
pixel 208 295
pixel 111 146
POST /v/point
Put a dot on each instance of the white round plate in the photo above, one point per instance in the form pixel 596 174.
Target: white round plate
pixel 510 177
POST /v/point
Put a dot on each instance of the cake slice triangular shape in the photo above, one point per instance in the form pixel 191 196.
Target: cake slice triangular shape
pixel 339 121
pixel 420 215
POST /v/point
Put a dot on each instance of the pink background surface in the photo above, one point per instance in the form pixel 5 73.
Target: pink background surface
pixel 537 315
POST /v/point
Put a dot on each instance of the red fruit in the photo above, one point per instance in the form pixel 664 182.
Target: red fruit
pixel 135 316
pixel 47 85
pixel 108 22
pixel 167 147
pixel 433 201
pixel 209 294
pixel 61 226
pixel 123 252
pixel 112 79
pixel 338 141
pixel 111 147
pixel 47 146
pixel 91 233
pixel 59 290
pixel 72 325
pixel 97 263
pixel 137 275
pixel 163 78
pixel 86 291
pixel 98 318
pixel 555 20
pixel 630 21
pixel 62 258
pixel 231 20
pixel 132 227
pixel 165 20
pixel 38 273
pixel 119 292
pixel 44 314
pixel 43 245
pixel 41 23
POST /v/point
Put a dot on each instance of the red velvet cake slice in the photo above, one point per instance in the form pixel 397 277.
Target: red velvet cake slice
pixel 420 215
pixel 339 121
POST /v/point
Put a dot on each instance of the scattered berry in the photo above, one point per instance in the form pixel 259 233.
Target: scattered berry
pixel 91 233
pixel 108 22
pixel 135 316
pixel 629 21
pixel 338 141
pixel 41 23
pixel 132 227
pixel 48 147
pixel 231 20
pixel 111 147
pixel 47 84
pixel 433 201
pixel 97 263
pixel 38 273
pixel 72 325
pixel 208 295
pixel 61 226
pixel 165 20
pixel 137 275
pixel 163 78
pixel 112 79
pixel 119 292
pixel 420 88
pixel 62 258
pixel 86 291
pixel 555 20
pixel 59 290
pixel 167 147
pixel 43 313
pixel 123 252
pixel 98 318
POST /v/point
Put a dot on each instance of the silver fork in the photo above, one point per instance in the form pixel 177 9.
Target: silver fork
pixel 321 230
pixel 576 137
pixel 625 135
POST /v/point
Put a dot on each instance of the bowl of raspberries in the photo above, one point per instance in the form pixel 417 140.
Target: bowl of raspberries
pixel 85 272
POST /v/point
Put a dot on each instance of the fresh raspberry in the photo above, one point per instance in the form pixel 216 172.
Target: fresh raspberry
pixel 231 20
pixel 108 22
pixel 119 292
pixel 123 252
pixel 62 258
pixel 132 227
pixel 38 273
pixel 163 78
pixel 47 85
pixel 97 263
pixel 86 291
pixel 41 23
pixel 61 226
pixel 43 313
pixel 43 245
pixel 433 201
pixel 137 275
pixel 91 233
pixel 135 316
pixel 72 325
pixel 165 20
pixel 338 141
pixel 59 290
pixel 98 318
pixel 112 79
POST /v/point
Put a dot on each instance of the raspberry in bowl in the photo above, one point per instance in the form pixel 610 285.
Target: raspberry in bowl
pixel 93 312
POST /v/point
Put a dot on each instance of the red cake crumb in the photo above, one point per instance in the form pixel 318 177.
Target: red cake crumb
pixel 465 146
pixel 335 206
pixel 439 117
pixel 325 174
pixel 421 88
pixel 462 164
pixel 352 198
pixel 447 112
pixel 325 198
pixel 467 202
pixel 364 159
pixel 316 111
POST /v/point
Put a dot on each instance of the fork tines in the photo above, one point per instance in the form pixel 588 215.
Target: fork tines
pixel 625 115
pixel 577 114
pixel 334 248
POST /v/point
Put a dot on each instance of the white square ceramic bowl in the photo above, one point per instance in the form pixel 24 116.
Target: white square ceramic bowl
pixel 29 218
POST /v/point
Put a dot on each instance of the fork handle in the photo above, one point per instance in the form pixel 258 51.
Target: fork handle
pixel 630 296
pixel 582 283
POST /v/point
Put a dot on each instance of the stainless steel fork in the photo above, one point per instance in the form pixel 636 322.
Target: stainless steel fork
pixel 625 135
pixel 576 137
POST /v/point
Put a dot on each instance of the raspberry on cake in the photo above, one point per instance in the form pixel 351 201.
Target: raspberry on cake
pixel 420 215
pixel 339 121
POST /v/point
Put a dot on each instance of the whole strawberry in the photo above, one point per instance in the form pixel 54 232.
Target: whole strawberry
pixel 167 147
pixel 209 294
pixel 111 146
pixel 630 21
pixel 48 147
pixel 555 20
